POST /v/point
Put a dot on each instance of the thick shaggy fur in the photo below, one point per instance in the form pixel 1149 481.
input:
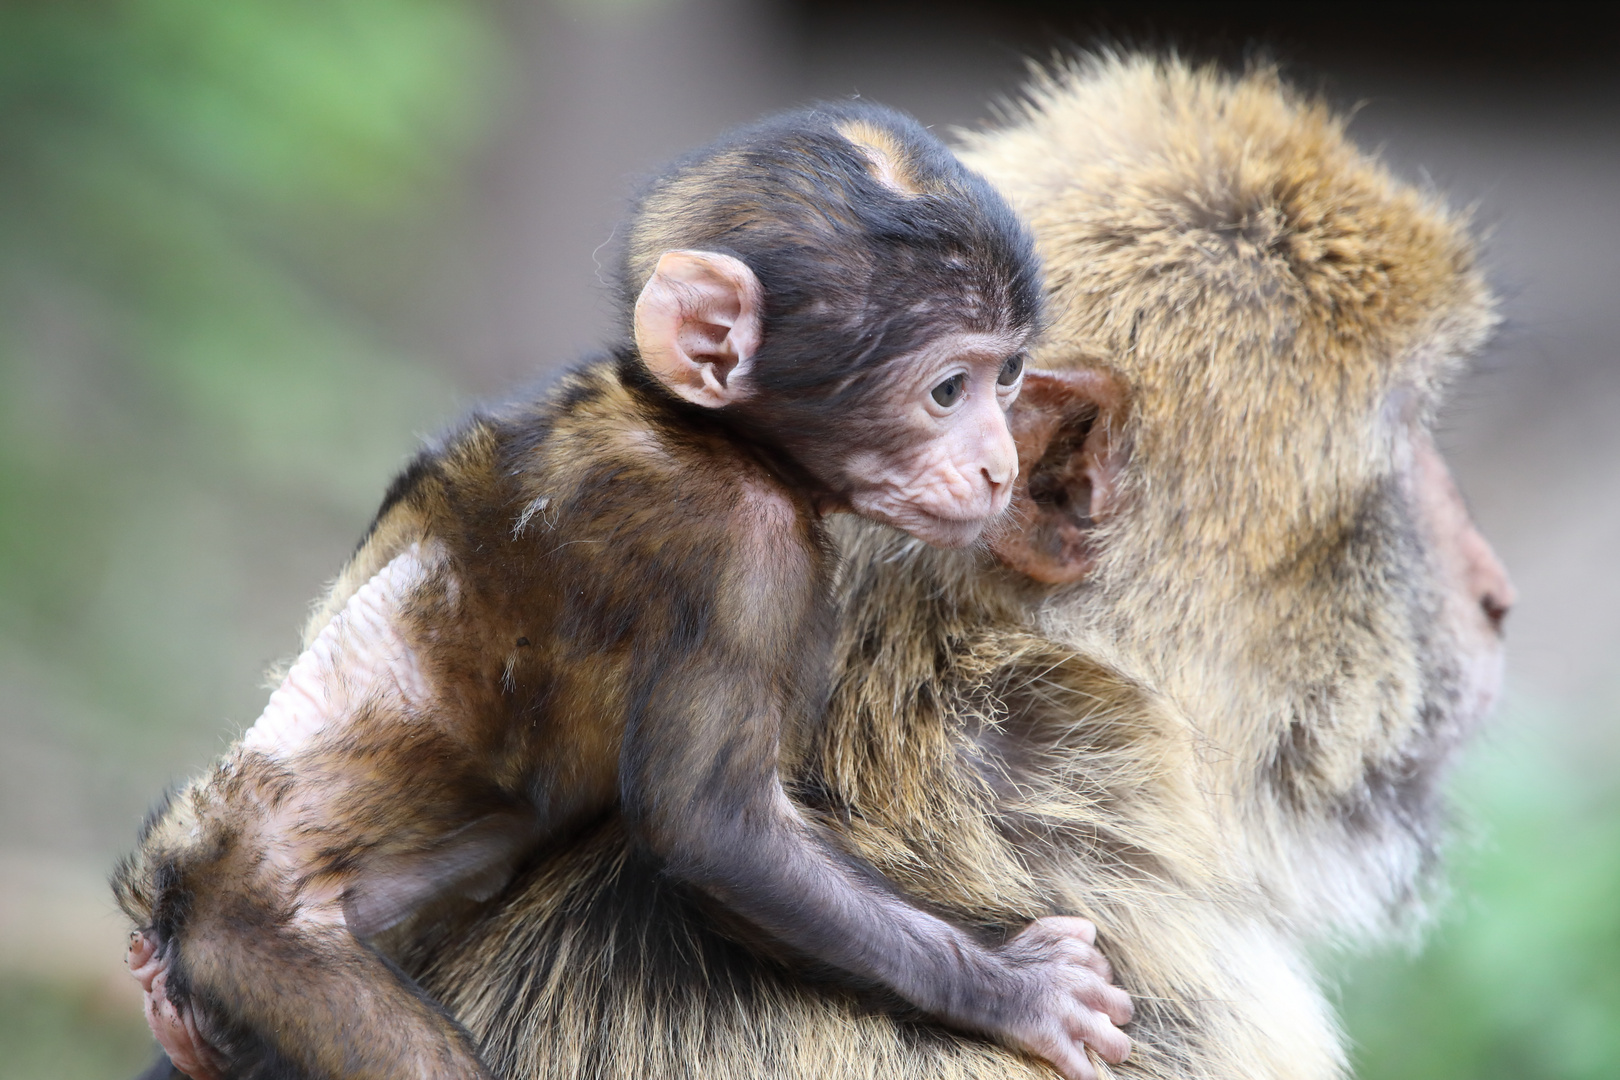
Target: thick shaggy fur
pixel 1263 287
pixel 1221 746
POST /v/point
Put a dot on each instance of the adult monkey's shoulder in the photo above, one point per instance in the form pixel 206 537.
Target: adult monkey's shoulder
pixel 1278 650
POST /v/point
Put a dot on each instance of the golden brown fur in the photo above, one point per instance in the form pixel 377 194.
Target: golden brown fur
pixel 1220 746
pixel 1222 240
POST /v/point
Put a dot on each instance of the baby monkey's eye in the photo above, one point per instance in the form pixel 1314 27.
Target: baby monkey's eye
pixel 1011 368
pixel 949 392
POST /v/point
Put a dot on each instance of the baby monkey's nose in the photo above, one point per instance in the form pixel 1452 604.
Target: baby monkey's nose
pixel 1000 464
pixel 999 483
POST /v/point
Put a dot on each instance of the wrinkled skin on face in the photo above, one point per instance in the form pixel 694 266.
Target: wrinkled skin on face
pixel 946 469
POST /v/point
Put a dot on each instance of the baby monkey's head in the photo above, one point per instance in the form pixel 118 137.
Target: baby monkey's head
pixel 839 286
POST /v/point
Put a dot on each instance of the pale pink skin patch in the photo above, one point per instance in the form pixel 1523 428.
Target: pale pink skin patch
pixel 358 658
pixel 358 655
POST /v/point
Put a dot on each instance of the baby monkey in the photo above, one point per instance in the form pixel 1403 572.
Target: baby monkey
pixel 621 593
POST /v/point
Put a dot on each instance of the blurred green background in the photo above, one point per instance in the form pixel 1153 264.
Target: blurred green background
pixel 250 251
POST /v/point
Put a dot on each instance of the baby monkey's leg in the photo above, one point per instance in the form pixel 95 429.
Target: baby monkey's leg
pixel 347 807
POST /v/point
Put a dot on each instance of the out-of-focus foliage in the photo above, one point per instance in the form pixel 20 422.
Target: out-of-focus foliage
pixel 205 208
pixel 184 188
pixel 1521 978
pixel 49 1031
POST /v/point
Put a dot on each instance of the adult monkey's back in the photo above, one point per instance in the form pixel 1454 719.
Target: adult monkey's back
pixel 1204 700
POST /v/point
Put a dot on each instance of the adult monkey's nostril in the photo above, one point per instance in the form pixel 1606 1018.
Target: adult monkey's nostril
pixel 1496 610
pixel 1488 579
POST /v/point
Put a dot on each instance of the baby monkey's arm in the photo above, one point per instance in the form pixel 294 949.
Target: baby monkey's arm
pixel 700 786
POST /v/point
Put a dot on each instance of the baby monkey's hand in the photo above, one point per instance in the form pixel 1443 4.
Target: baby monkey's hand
pixel 1070 1002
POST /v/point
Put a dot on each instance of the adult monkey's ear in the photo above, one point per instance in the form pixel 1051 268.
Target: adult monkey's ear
pixel 698 323
pixel 1069 427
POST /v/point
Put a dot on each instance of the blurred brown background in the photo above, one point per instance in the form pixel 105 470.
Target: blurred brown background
pixel 249 252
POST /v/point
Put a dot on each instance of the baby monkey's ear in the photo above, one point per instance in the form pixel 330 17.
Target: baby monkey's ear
pixel 698 323
pixel 1069 427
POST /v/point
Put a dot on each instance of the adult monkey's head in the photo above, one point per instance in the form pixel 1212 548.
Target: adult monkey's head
pixel 1230 474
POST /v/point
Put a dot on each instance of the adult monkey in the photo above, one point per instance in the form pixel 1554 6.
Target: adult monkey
pixel 1204 698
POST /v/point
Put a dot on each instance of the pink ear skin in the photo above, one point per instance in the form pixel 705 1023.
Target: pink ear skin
pixel 698 324
pixel 1069 429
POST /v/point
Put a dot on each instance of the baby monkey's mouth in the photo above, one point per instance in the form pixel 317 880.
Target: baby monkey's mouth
pixel 916 518
pixel 947 532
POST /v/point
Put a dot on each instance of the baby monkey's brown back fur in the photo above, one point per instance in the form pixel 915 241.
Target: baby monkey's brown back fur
pixel 525 589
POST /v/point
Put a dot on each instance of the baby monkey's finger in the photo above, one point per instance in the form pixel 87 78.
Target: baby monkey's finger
pixel 1095 1030
pixel 1088 957
pixel 1069 1058
pixel 1070 926
pixel 1112 1002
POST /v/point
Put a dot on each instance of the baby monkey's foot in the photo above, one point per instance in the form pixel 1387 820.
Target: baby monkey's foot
pixel 174 1026
pixel 1071 1002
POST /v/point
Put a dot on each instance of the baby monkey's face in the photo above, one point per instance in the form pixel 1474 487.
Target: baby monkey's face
pixel 946 466
pixel 928 451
